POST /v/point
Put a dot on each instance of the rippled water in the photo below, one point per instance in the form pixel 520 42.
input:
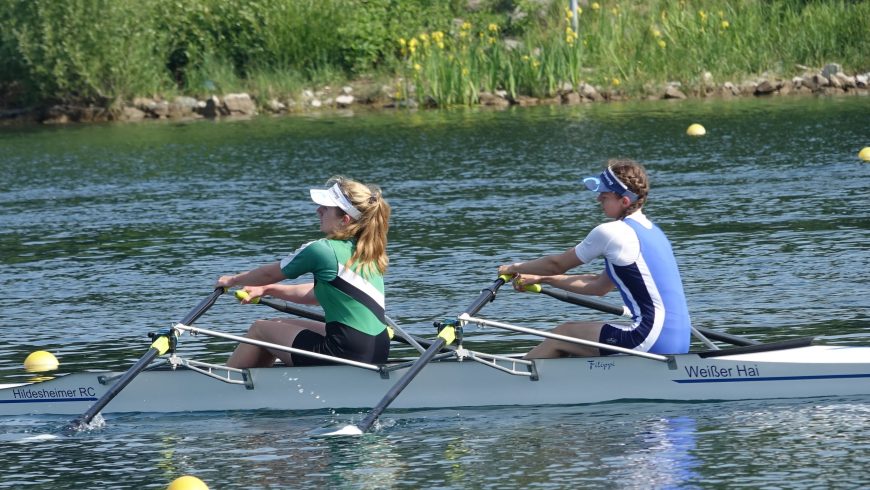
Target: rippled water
pixel 108 232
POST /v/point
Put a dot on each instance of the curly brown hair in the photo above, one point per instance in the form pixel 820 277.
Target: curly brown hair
pixel 633 175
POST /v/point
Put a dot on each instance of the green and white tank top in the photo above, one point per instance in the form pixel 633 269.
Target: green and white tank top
pixel 353 298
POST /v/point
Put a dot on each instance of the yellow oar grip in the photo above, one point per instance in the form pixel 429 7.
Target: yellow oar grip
pixel 448 333
pixel 506 277
pixel 533 288
pixel 241 294
pixel 161 344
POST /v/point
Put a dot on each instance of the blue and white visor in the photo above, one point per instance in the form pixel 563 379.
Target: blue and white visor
pixel 607 181
pixel 334 197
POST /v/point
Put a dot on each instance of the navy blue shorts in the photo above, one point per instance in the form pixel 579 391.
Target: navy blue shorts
pixel 341 341
pixel 614 335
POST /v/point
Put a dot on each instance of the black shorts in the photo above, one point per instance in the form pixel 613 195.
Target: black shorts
pixel 341 341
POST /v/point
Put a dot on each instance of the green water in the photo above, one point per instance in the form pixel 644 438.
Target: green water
pixel 109 232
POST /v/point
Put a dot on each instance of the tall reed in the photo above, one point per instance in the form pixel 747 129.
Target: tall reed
pixel 442 53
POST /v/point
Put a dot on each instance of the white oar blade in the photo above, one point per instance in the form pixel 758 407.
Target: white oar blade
pixel 347 430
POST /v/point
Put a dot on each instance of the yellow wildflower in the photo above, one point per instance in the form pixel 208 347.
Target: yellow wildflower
pixel 417 67
pixel 536 63
pixel 464 72
pixel 702 15
pixel 466 26
pixel 568 13
pixel 493 27
pixel 614 11
pixel 438 36
pixel 595 6
pixel 412 45
pixel 615 82
pixel 402 42
pixel 725 24
pixel 655 32
pixel 662 43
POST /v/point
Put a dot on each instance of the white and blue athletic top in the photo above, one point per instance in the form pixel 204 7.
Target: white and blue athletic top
pixel 639 260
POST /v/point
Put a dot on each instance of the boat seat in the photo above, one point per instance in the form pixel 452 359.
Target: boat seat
pixel 748 349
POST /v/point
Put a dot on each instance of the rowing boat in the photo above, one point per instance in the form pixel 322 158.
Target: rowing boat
pixel 792 369
pixel 456 376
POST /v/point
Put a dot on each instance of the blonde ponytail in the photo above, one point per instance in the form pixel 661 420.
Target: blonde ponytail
pixel 370 230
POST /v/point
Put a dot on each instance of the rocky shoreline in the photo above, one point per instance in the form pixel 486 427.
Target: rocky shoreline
pixel 830 80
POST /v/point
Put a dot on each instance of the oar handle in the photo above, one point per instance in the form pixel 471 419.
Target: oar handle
pixel 487 295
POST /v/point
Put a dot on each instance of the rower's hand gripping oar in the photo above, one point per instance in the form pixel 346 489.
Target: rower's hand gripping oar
pixel 159 347
pixel 623 311
pixel 445 336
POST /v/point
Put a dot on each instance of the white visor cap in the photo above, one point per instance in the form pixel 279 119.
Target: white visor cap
pixel 333 197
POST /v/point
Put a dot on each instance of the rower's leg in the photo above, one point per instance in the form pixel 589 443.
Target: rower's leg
pixel 550 348
pixel 280 331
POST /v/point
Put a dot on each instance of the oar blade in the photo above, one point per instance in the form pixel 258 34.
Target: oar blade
pixel 345 431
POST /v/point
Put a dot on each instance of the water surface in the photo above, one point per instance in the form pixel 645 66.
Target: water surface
pixel 109 232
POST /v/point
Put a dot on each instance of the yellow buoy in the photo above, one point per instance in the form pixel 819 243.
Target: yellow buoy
pixel 864 154
pixel 696 130
pixel 40 361
pixel 187 482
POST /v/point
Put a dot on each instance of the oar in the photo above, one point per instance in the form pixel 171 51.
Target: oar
pixel 282 306
pixel 158 347
pixel 623 311
pixel 445 337
pixel 303 312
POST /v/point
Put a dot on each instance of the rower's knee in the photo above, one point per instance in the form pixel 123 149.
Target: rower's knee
pixel 257 329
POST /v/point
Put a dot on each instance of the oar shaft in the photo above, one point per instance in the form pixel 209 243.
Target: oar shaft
pixel 142 363
pixel 617 310
pixel 581 301
pixel 293 310
pixel 116 388
pixel 486 295
pixel 400 385
pixel 724 337
pixel 303 312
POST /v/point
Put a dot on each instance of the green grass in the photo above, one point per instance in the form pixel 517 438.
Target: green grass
pixel 103 51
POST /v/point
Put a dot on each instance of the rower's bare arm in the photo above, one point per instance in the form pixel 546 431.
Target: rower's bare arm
pixel 261 276
pixel 302 294
pixel 548 265
pixel 588 284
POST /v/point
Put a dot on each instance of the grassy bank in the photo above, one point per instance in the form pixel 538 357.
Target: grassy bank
pixel 105 52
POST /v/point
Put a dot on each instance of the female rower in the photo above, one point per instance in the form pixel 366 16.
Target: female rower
pixel 638 260
pixel 348 267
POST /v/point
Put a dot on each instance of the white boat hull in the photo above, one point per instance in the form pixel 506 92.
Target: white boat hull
pixel 812 371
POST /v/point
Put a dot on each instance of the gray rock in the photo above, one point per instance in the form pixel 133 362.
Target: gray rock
pixel 239 105
pixel 572 98
pixel 766 87
pixel 589 92
pixel 344 100
pixel 132 114
pixel 673 92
